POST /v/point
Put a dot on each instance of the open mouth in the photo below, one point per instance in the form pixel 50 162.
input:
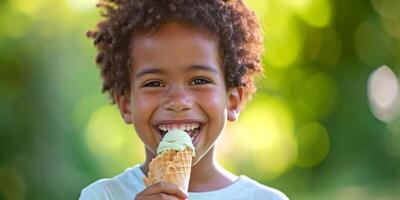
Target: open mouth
pixel 192 129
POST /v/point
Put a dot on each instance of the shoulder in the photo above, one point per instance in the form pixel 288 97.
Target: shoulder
pixel 260 191
pixel 123 186
pixel 100 189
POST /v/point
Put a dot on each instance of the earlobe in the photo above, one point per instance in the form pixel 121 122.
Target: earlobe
pixel 124 106
pixel 235 96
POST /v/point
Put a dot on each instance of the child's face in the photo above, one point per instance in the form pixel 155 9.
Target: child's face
pixel 177 81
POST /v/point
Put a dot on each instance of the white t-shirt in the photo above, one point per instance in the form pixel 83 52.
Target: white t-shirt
pixel 127 184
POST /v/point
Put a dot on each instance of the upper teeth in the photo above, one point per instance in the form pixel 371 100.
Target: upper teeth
pixel 185 127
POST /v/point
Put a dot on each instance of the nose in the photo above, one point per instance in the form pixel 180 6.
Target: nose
pixel 178 100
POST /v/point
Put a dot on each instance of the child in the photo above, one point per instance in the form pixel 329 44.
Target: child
pixel 187 64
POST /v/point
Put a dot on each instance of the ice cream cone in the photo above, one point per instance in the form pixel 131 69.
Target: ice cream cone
pixel 171 166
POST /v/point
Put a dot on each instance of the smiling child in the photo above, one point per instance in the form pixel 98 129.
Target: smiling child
pixel 179 64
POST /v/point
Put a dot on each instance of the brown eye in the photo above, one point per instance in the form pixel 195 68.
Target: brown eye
pixel 200 81
pixel 153 84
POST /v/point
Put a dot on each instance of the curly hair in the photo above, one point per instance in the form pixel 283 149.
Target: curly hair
pixel 236 27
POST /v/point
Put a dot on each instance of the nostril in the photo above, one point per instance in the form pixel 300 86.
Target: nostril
pixel 177 107
pixel 178 103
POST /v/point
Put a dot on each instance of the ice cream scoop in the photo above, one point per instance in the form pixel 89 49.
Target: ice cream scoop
pixel 175 139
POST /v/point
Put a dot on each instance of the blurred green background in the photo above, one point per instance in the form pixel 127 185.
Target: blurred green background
pixel 325 123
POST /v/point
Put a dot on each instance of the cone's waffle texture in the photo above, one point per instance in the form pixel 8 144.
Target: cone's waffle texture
pixel 171 166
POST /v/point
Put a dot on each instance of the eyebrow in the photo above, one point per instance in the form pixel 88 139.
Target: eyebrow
pixel 201 68
pixel 148 71
pixel 156 70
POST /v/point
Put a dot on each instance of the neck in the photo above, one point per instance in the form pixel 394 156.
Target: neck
pixel 206 175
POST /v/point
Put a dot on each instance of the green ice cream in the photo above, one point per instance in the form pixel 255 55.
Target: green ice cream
pixel 175 139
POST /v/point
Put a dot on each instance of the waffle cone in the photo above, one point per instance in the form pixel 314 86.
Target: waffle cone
pixel 171 166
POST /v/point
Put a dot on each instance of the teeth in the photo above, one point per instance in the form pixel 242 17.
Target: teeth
pixel 185 127
pixel 163 127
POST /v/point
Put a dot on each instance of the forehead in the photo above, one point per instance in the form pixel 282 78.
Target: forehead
pixel 175 28
pixel 175 44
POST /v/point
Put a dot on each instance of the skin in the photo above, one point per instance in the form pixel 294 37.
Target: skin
pixel 176 74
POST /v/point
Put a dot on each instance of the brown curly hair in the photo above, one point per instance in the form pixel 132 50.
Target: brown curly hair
pixel 236 27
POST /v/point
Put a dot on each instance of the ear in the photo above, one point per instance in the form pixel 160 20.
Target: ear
pixel 235 98
pixel 124 105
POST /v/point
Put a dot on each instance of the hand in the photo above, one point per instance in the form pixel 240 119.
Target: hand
pixel 163 191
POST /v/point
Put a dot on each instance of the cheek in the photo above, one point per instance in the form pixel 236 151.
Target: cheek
pixel 142 106
pixel 214 103
pixel 218 100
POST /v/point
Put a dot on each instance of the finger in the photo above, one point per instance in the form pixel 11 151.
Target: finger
pixel 163 196
pixel 168 188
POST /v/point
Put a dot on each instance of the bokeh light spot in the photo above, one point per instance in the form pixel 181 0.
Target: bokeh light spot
pixel 84 107
pixel 262 138
pixel 387 8
pixel 316 13
pixel 369 43
pixel 283 40
pixel 389 15
pixel 392 27
pixel 81 5
pixel 29 8
pixel 383 93
pixel 313 144
pixel 316 95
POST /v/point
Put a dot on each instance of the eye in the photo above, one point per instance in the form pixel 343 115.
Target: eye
pixel 153 84
pixel 200 81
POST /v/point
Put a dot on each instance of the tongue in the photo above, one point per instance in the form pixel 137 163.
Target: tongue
pixel 190 132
